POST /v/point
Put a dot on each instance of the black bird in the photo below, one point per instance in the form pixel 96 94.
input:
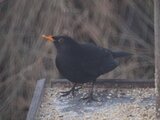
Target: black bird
pixel 82 63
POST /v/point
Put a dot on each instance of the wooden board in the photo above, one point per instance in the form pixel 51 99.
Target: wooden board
pixel 36 100
pixel 112 83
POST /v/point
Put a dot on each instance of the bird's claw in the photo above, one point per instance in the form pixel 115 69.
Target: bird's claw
pixel 70 91
pixel 90 98
pixel 66 93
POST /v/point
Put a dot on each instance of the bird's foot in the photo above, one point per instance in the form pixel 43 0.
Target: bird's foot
pixel 66 93
pixel 90 98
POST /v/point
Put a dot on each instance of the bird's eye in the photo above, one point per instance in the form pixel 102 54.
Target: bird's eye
pixel 61 40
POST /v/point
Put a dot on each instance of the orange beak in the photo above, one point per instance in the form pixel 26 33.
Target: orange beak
pixel 49 38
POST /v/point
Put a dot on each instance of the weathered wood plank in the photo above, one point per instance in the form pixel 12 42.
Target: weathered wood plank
pixel 36 100
pixel 157 55
pixel 113 83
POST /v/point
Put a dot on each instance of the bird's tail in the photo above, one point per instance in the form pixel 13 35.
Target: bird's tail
pixel 120 54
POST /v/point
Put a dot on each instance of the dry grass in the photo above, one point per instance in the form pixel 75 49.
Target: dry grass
pixel 24 57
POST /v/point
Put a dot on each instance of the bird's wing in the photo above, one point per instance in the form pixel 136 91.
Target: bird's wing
pixel 97 60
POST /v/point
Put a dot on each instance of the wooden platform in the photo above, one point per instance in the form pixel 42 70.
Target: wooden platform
pixel 107 83
pixel 36 100
pixel 112 83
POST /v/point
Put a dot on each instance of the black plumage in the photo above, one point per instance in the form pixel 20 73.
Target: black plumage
pixel 82 63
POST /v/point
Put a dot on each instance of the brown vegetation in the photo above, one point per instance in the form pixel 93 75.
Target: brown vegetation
pixel 25 58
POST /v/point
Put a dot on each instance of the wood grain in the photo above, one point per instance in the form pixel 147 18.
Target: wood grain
pixel 36 100
pixel 113 83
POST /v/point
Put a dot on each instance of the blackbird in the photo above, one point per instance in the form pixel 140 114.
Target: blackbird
pixel 82 63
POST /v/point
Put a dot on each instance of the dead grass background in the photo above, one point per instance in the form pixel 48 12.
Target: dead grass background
pixel 24 58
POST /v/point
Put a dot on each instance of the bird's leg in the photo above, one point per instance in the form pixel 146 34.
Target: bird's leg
pixel 90 97
pixel 68 92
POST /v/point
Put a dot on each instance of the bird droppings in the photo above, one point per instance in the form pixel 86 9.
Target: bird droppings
pixel 112 104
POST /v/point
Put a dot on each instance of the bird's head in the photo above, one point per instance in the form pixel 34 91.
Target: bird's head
pixel 60 41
